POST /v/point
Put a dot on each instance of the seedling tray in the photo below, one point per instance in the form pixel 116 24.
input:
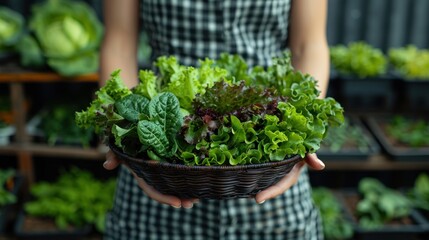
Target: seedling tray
pixel 397 151
pixel 415 229
pixel 351 153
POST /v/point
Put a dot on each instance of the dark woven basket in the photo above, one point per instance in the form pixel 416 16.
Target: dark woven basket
pixel 208 182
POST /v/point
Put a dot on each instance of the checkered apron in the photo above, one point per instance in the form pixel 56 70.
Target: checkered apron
pixel 192 30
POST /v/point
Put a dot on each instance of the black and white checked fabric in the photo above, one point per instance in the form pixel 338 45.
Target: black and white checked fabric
pixel 196 29
pixel 192 30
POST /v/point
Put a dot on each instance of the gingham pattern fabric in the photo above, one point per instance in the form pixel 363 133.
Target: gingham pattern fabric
pixel 192 30
pixel 196 29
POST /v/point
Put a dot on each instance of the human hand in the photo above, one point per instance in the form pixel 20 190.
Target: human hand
pixel 112 162
pixel 290 179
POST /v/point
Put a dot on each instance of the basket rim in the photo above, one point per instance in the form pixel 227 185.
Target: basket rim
pixel 153 163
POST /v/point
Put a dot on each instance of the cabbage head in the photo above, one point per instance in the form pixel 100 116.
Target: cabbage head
pixel 69 34
pixel 11 28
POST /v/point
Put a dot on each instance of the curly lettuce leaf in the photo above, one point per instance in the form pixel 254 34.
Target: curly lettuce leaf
pixel 95 115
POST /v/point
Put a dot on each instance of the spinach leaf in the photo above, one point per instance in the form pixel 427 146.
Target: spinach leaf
pixel 133 107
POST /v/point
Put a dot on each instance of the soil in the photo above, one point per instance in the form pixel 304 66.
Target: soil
pixel 34 224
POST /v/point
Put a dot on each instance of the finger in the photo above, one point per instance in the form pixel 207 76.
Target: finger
pixel 111 161
pixel 280 187
pixel 157 196
pixel 314 162
pixel 189 203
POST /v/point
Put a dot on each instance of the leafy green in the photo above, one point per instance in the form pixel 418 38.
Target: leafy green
pixel 380 204
pixel 205 116
pixel 68 34
pixel 30 53
pixel 419 194
pixel 184 82
pixel 235 65
pixel 335 225
pixel 99 115
pixel 410 62
pixel 279 115
pixel 346 136
pixel 358 59
pixel 57 125
pixel 11 29
pixel 414 133
pixel 76 199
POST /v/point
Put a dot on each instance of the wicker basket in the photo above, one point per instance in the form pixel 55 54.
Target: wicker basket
pixel 208 182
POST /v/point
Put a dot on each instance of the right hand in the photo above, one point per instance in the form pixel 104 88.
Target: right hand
pixel 112 162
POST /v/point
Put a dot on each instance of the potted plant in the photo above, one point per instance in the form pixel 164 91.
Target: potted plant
pixel 335 224
pixel 244 127
pixel 363 83
pixel 49 44
pixel 48 126
pixel 403 137
pixel 351 141
pixel 411 66
pixel 419 193
pixel 10 183
pixel 379 212
pixel 66 208
pixel 12 28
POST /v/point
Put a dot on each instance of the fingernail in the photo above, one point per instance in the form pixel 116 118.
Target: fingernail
pixel 176 206
pixel 321 163
pixel 189 206
pixel 105 163
pixel 261 202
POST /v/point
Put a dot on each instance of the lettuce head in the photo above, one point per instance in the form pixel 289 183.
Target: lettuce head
pixel 11 28
pixel 68 34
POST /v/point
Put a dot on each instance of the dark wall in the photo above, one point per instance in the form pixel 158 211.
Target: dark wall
pixel 24 6
pixel 381 23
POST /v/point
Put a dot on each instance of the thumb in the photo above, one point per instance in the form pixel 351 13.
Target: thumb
pixel 111 161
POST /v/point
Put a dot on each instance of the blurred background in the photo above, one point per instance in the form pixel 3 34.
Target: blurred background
pixel 375 184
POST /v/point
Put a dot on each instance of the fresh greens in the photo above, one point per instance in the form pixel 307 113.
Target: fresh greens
pixel 76 199
pixel 68 34
pixel 414 133
pixel 184 82
pixel 53 122
pixel 335 225
pixel 346 136
pixel 206 116
pixel 419 194
pixel 410 62
pixel 380 204
pixel 11 29
pixel 358 59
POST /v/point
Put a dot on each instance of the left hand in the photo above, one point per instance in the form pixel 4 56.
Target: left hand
pixel 290 179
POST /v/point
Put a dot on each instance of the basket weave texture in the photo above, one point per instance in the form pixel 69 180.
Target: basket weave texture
pixel 208 182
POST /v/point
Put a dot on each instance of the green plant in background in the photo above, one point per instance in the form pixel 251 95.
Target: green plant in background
pixel 358 59
pixel 6 197
pixel 347 135
pixel 66 33
pixel 380 204
pixel 410 62
pixel 58 126
pixel 335 226
pixel 76 199
pixel 412 132
pixel 419 194
pixel 11 29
